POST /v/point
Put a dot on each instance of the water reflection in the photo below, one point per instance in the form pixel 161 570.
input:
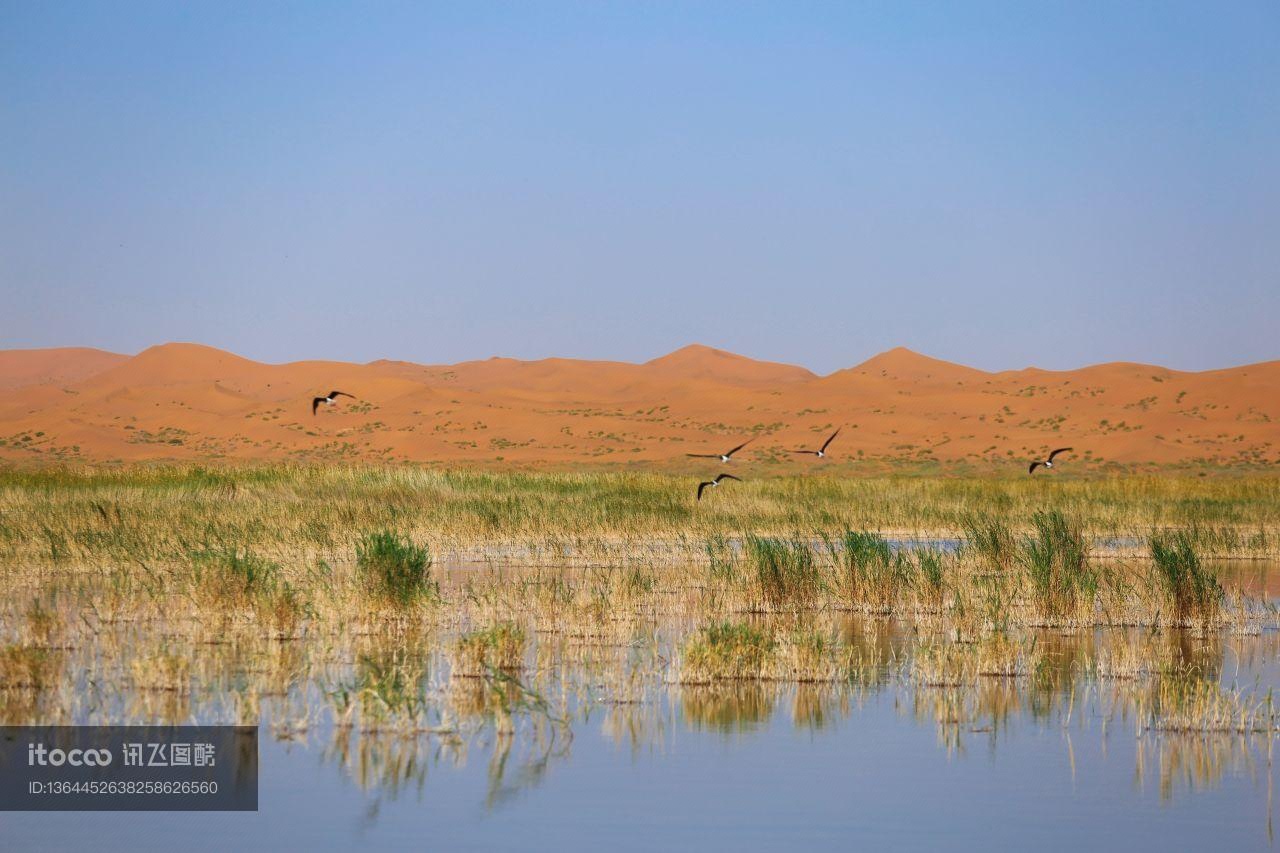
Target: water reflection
pixel 391 710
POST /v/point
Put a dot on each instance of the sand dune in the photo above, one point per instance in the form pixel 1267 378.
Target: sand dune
pixel 20 368
pixel 189 402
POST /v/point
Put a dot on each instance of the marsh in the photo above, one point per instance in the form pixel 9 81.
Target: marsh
pixel 1090 663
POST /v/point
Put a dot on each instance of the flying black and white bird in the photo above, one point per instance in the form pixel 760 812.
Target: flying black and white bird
pixel 329 400
pixel 723 457
pixel 1047 463
pixel 821 452
pixel 702 487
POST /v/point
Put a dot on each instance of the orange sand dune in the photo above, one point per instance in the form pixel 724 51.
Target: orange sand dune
pixel 20 368
pixel 179 402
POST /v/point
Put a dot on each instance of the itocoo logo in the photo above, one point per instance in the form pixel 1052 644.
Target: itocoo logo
pixel 38 754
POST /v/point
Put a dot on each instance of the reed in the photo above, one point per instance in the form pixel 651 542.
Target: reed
pixel 1056 561
pixel 1193 592
pixel 785 571
pixel 874 576
pixel 71 515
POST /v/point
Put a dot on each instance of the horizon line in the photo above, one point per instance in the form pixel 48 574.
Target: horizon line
pixel 690 348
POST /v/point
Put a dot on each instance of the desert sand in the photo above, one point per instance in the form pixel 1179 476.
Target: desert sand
pixel 187 402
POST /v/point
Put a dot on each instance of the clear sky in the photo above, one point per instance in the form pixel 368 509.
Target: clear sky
pixel 997 184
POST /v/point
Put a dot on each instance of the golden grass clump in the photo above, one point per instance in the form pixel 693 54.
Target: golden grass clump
pixel 234 579
pixel 1193 592
pixel 727 651
pixel 1196 705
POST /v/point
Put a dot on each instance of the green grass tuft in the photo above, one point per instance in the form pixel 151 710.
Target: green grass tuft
pixel 1056 560
pixel 1193 590
pixel 395 568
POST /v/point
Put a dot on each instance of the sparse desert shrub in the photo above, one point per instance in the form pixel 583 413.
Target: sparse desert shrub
pixel 727 650
pixel 500 647
pixel 1056 561
pixel 395 568
pixel 785 570
pixel 1192 589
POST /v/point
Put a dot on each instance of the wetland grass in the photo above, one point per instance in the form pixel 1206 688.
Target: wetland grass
pixel 76 514
pixel 1193 592
pixel 626 590
pixel 1056 561
pixel 394 568
pixel 234 579
pixel 727 651
pixel 785 571
pixel 874 576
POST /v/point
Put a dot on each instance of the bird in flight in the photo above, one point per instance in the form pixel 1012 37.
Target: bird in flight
pixel 1047 463
pixel 821 452
pixel 328 401
pixel 723 457
pixel 702 487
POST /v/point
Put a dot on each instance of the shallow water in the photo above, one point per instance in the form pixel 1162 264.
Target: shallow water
pixel 1057 758
pixel 873 775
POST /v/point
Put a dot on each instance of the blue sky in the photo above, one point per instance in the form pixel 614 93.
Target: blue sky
pixel 997 184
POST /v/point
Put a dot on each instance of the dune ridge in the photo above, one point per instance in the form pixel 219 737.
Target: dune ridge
pixel 189 402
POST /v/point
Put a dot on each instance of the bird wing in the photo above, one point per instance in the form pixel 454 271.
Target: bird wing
pixel 814 452
pixel 727 477
pixel 341 394
pixel 1056 452
pixel 701 488
pixel 740 446
pixel 829 440
pixel 1033 467
pixel 703 455
pixel 315 404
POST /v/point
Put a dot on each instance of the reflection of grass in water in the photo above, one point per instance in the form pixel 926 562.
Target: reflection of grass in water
pixel 28 675
pixel 500 647
pixel 728 708
pixel 384 665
